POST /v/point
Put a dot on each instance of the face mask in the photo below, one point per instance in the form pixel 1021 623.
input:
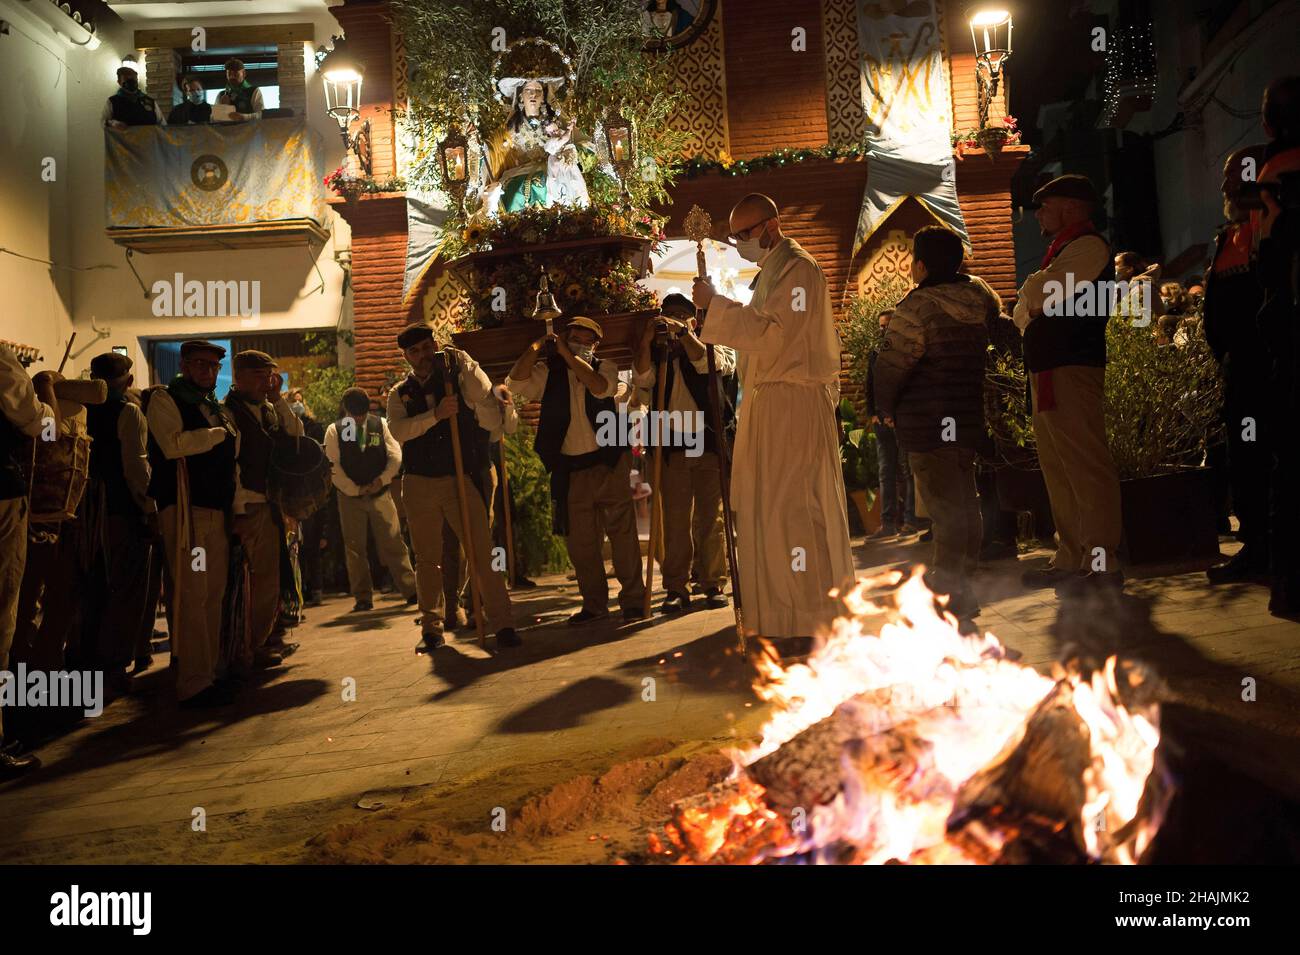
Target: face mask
pixel 131 85
pixel 751 250
pixel 585 352
pixel 195 96
pixel 298 408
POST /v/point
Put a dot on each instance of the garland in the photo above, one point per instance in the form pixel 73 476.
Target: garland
pixel 724 164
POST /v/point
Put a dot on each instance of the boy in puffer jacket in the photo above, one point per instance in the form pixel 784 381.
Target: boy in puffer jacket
pixel 929 386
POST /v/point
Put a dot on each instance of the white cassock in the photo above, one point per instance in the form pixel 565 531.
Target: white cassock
pixel 787 489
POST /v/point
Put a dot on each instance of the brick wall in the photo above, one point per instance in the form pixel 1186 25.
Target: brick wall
pixel 983 191
pixel 292 74
pixel 161 67
pixel 367 27
pixel 378 267
pixel 776 97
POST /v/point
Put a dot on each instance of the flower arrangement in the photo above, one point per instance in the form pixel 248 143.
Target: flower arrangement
pixel 971 138
pixel 725 164
pixel 536 224
pixel 349 187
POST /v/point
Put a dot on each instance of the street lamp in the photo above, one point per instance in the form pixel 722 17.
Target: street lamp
pixel 990 31
pixel 342 78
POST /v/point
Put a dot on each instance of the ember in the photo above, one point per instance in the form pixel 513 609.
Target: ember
pixel 922 744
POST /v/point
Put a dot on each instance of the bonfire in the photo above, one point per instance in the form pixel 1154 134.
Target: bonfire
pixel 920 743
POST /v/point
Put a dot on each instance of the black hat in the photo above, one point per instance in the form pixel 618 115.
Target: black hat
pixel 413 333
pixel 252 358
pixel 197 344
pixel 109 366
pixel 1069 186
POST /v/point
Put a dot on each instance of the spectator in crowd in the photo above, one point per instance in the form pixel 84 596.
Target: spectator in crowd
pixel 130 105
pixel 1175 299
pixel 193 108
pixel 366 459
pixel 119 473
pixel 897 492
pixel 193 445
pixel 239 93
pixel 1277 236
pixel 262 415
pixel 1141 303
pixel 929 386
pixel 1065 358
pixel 311 531
pixel 26 405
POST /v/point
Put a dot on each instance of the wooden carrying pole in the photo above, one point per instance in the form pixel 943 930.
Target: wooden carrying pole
pixel 466 535
pixel 655 529
pixel 505 507
pixel 697 225
pixel 67 351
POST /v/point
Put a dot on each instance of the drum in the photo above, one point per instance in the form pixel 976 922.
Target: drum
pixel 300 477
pixel 57 473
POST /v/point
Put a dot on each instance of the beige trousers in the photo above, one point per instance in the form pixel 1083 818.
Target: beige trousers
pixel 600 503
pixel 428 502
pixel 13 558
pixel 200 587
pixel 258 532
pixel 1080 473
pixel 359 516
pixel 692 515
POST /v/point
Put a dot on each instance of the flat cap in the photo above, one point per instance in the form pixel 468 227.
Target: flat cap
pixel 590 324
pixel 252 358
pixel 416 332
pixel 1069 186
pixel 109 365
pixel 197 345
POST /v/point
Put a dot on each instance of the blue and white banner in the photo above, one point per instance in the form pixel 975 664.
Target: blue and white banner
pixel 425 214
pixel 908 106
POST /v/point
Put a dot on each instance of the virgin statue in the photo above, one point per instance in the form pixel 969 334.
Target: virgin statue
pixel 533 159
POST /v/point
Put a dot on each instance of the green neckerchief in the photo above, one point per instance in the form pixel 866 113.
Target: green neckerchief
pixel 772 268
pixel 182 389
pixel 244 85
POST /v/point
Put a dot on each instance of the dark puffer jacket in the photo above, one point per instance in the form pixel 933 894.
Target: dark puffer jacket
pixel 929 376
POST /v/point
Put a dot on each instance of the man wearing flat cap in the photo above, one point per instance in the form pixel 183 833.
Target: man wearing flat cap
pixel 119 479
pixel 1061 312
pixel 420 415
pixel 591 494
pixel 262 414
pixel 193 444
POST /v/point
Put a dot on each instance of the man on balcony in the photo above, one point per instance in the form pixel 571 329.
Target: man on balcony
pixel 239 93
pixel 130 105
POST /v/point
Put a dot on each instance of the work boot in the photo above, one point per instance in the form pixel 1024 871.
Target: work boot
pixel 13 765
pixel 508 638
pixel 675 603
pixel 714 598
pixel 632 615
pixel 361 606
pixel 1242 566
pixel 1042 577
pixel 586 616
pixel 885 533
pixel 430 640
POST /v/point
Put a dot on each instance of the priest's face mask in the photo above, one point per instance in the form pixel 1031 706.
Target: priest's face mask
pixel 531 98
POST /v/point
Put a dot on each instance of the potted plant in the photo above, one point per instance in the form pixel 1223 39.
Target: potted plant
pixel 859 464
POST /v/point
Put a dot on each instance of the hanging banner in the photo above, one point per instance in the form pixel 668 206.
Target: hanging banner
pixel 177 176
pixel 908 106
pixel 425 214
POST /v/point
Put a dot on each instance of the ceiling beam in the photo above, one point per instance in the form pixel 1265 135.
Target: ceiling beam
pixel 248 35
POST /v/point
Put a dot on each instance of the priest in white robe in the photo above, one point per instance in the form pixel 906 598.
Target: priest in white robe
pixel 787 489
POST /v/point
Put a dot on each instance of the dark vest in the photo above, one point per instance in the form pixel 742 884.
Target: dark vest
pixel 257 434
pixel 1233 296
pixel 364 458
pixel 106 456
pixel 188 112
pixel 430 455
pixel 134 110
pixel 698 385
pixel 1052 341
pixel 553 422
pixel 242 98
pixel 211 474
pixel 14 450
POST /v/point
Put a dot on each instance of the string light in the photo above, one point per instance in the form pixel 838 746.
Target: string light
pixel 1130 68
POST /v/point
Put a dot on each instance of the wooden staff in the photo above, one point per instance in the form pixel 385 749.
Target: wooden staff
pixel 67 351
pixel 466 535
pixel 661 380
pixel 505 506
pixel 698 224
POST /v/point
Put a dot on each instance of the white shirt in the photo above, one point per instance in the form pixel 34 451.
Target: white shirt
pixel 581 437
pixel 18 401
pixel 344 483
pixel 1084 258
pixel 475 388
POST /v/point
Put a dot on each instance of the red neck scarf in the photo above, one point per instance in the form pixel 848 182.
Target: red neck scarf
pixel 1065 237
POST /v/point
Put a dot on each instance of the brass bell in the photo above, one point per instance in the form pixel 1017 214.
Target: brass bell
pixel 546 310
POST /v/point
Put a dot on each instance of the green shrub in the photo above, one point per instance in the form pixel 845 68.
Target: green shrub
pixel 536 546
